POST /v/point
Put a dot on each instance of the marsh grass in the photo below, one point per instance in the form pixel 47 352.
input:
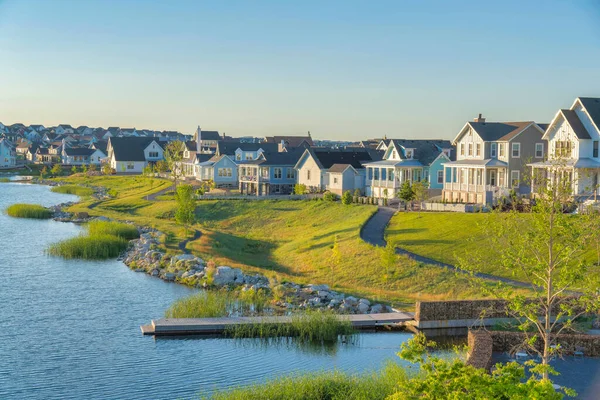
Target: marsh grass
pixel 212 304
pixel 93 247
pixel 124 231
pixel 80 191
pixel 28 211
pixel 312 326
pixel 4 180
pixel 325 385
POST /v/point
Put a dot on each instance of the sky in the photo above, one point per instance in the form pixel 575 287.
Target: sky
pixel 343 70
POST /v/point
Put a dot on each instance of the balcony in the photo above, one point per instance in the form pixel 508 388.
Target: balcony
pixel 463 187
pixel 383 183
pixel 249 178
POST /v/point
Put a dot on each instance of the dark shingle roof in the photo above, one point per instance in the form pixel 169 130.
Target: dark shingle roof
pixel 592 106
pixel 290 141
pixel 354 157
pixel 426 151
pixel 130 148
pixel 230 146
pixel 493 131
pixel 79 151
pixel 339 167
pixel 576 124
pixel 210 135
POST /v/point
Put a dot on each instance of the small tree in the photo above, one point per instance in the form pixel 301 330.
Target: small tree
pixel 186 206
pixel 347 197
pixel 92 168
pixel 385 196
pixel 106 169
pixel 300 188
pixel 421 191
pixel 406 193
pixel 73 170
pixel 356 195
pixel 173 157
pixel 161 167
pixel 56 170
pixel 84 168
pixel 44 172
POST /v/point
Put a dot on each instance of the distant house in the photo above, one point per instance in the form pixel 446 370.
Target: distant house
pixel 574 148
pixel 270 174
pixel 81 156
pixel 132 154
pixel 242 151
pixel 313 166
pixel 49 155
pixel 491 160
pixel 206 141
pixel 222 170
pixel 8 155
pixel 290 141
pixel 408 160
pixel 64 129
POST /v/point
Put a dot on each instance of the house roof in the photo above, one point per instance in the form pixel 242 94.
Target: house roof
pixel 326 158
pixel 130 148
pixel 210 135
pixel 79 151
pixel 200 158
pixel 230 146
pixel 425 150
pixel 578 163
pixel 339 168
pixel 592 106
pixel 289 157
pixel 573 119
pixel 490 162
pixel 499 131
pixel 290 141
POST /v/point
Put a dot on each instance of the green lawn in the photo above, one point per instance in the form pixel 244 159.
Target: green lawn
pixel 287 240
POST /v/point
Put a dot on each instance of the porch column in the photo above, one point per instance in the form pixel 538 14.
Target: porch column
pixel 484 178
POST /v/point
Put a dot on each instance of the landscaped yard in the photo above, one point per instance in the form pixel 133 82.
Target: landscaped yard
pixel 287 240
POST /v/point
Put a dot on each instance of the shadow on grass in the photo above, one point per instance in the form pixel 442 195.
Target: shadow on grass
pixel 332 234
pixel 404 231
pixel 257 253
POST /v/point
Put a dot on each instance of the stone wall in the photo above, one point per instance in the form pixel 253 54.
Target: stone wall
pixel 513 341
pixel 459 310
pixel 480 349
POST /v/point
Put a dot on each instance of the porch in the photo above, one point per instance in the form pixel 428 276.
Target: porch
pixel 580 178
pixel 385 180
pixel 478 184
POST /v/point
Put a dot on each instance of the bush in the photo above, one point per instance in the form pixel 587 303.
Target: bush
pixel 328 196
pixel 29 211
pixel 124 231
pixel 93 247
pixel 80 191
pixel 300 188
pixel 347 197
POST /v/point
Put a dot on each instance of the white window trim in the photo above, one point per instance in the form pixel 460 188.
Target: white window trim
pixel 518 173
pixel 470 149
pixel 536 150
pixel 512 150
pixel 477 149
pixel 493 149
pixel 440 176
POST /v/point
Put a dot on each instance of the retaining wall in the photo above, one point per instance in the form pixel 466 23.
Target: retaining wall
pixel 480 349
pixel 512 341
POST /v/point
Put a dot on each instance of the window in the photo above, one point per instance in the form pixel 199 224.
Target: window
pixel 501 149
pixel 470 149
pixel 226 172
pixel 493 149
pixel 539 150
pixel 238 157
pixel 308 174
pixel 290 173
pixel 383 174
pixel 562 148
pixel 440 176
pixel 370 173
pixel 478 149
pixel 277 173
pixel 516 150
pixel 391 175
pixel 514 178
pixel 462 149
pixel 130 165
pixel 394 155
pixel 153 154
pixel 249 156
pixel 334 180
pixel 409 153
pixel 376 175
pixel 595 155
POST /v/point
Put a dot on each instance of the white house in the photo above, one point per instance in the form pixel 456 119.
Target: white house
pixel 82 156
pixel 343 178
pixel 132 154
pixel 8 155
pixel 573 145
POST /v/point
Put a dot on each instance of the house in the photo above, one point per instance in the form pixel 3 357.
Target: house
pixel 132 154
pixel 222 170
pixel 573 139
pixel 313 166
pixel 491 160
pixel 64 129
pixel 242 151
pixel 344 177
pixel 81 156
pixel 49 155
pixel 8 155
pixel 290 141
pixel 30 153
pixel 408 160
pixel 270 174
pixel 206 140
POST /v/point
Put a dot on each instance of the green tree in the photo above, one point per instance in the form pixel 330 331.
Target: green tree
pixel 406 193
pixel 106 169
pixel 186 206
pixel 44 172
pixel 92 167
pixel 148 173
pixel 347 197
pixel 300 188
pixel 84 168
pixel 421 191
pixel 161 167
pixel 56 170
pixel 74 170
pixel 173 157
pixel 546 249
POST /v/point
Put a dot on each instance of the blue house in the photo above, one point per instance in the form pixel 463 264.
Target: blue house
pixel 222 170
pixel 270 174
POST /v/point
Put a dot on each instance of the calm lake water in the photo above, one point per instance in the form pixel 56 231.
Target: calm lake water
pixel 70 329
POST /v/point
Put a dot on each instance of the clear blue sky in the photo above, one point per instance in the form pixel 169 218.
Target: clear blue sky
pixel 341 69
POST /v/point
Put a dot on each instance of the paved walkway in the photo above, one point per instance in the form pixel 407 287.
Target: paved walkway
pixel 373 232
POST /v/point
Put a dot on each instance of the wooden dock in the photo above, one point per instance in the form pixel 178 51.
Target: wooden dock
pixel 212 326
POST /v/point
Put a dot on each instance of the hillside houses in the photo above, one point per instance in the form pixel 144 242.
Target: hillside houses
pixel 8 154
pixel 132 154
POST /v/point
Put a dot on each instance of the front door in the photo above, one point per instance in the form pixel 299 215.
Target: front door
pixel 493 178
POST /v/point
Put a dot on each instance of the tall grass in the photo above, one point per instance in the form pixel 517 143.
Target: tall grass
pixel 311 326
pixel 96 247
pixel 80 191
pixel 28 211
pixel 321 386
pixel 212 304
pixel 124 231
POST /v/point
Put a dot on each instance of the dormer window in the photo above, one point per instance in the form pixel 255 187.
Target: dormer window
pixel 409 153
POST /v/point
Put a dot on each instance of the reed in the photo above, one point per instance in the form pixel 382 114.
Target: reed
pixel 93 247
pixel 28 211
pixel 211 304
pixel 124 231
pixel 80 191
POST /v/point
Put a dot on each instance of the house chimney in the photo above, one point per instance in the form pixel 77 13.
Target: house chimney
pixel 479 118
pixel 199 140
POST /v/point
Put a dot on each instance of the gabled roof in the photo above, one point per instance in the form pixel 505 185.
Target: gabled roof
pixel 340 168
pixel 200 158
pixel 210 135
pixel 230 146
pixel 130 148
pixel 576 124
pixel 79 151
pixel 592 106
pixel 290 141
pixel 426 151
pixel 498 131
pixel 326 158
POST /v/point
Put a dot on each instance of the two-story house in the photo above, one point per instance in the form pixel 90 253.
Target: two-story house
pixel 222 170
pixel 408 160
pixel 491 160
pixel 8 155
pixel 132 154
pixel 573 143
pixel 272 173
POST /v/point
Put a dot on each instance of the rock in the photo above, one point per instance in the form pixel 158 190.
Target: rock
pixel 596 324
pixel 225 276
pixel 350 301
pixel 316 288
pixel 82 215
pixel 376 309
pixel 363 308
pixel 154 272
pixel 365 301
pixel 169 277
pixel 102 218
pixel 323 294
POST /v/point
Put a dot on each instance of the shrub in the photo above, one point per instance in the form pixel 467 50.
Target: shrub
pixel 93 247
pixel 28 211
pixel 80 191
pixel 328 196
pixel 347 197
pixel 124 231
pixel 300 188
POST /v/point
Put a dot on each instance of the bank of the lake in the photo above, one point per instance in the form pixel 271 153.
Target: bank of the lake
pixel 70 328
